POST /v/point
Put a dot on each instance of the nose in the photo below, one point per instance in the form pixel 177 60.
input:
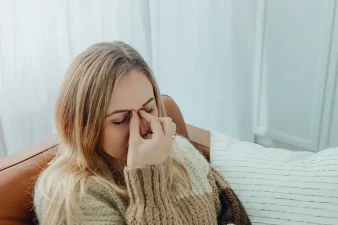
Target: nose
pixel 144 128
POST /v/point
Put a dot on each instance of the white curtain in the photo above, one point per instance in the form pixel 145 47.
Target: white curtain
pixel 197 49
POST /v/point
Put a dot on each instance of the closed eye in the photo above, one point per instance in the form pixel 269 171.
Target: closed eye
pixel 127 118
pixel 121 122
pixel 150 111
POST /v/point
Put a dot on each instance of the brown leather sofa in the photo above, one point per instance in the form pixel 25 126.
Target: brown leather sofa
pixel 18 172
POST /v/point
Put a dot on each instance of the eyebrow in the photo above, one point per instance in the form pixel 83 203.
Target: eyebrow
pixel 126 110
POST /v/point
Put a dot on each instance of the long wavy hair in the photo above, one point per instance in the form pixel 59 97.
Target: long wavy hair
pixel 79 114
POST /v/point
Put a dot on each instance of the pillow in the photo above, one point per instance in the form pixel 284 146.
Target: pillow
pixel 279 186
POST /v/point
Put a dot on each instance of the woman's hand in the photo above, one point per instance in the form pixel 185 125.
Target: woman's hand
pixel 150 151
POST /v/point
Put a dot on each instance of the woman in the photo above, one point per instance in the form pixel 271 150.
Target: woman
pixel 120 161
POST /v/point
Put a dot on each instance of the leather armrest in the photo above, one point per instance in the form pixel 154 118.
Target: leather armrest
pixel 200 138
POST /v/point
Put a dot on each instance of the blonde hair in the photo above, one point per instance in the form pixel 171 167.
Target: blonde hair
pixel 79 114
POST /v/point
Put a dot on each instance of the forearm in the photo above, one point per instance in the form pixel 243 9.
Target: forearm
pixel 149 198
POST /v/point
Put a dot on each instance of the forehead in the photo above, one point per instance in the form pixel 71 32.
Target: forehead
pixel 131 91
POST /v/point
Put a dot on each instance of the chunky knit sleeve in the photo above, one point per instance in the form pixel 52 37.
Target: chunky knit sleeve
pixel 149 199
pixel 230 209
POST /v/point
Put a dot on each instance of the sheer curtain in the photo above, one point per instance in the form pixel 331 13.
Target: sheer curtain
pixel 192 46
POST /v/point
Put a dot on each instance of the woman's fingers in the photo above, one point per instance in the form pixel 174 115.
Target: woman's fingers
pixel 169 127
pixel 134 126
pixel 159 125
pixel 154 122
pixel 156 149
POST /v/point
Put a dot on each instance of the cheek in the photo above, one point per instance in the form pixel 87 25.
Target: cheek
pixel 115 141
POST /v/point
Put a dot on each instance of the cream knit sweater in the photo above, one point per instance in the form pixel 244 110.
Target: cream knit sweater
pixel 210 201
